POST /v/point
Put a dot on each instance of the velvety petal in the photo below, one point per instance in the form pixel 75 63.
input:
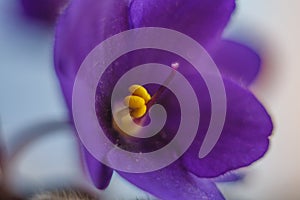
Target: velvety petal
pixel 174 183
pixel 244 139
pixel 237 61
pixel 87 23
pixel 246 131
pixel 83 26
pixel 203 20
pixel 44 10
pixel 99 174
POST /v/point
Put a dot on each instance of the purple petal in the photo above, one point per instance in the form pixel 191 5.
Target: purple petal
pixel 244 139
pixel 203 20
pixel 99 173
pixel 83 26
pixel 45 10
pixel 245 135
pixel 237 61
pixel 87 23
pixel 174 182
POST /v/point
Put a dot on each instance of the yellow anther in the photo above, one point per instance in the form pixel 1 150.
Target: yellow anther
pixel 137 104
pixel 139 112
pixel 140 91
pixel 134 102
pixel 137 101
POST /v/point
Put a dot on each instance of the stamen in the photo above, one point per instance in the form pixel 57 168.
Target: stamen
pixel 134 102
pixel 139 112
pixel 140 91
pixel 139 102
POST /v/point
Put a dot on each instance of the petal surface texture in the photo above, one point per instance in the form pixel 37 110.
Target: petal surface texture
pixel 174 182
pixel 244 138
pixel 83 26
pixel 203 20
pixel 237 61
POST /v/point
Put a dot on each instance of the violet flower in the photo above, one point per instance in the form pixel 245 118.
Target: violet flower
pixel 245 137
pixel 43 10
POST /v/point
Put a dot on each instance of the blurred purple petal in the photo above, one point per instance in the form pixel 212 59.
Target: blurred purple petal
pixel 203 20
pixel 44 10
pixel 83 26
pixel 174 182
pixel 244 139
pixel 237 61
pixel 99 173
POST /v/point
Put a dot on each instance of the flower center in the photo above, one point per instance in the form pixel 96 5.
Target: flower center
pixel 139 102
